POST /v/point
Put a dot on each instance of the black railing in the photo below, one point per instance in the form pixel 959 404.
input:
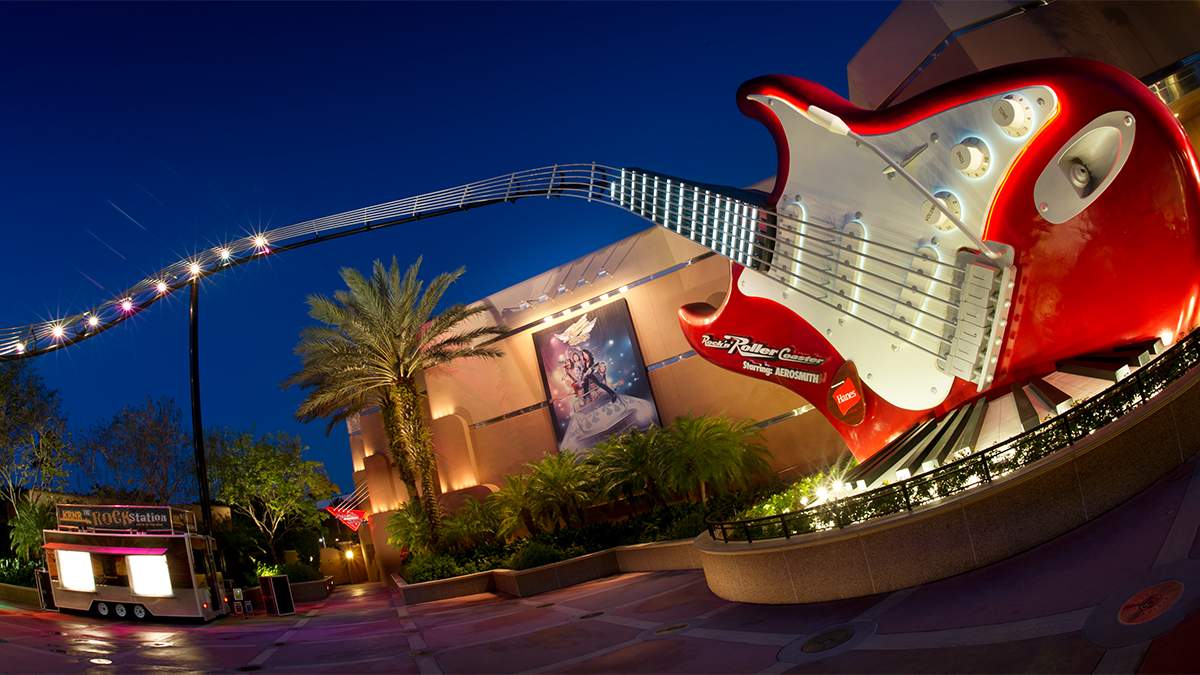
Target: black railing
pixel 978 468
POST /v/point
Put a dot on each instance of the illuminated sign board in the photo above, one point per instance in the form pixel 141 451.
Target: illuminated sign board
pixel 119 518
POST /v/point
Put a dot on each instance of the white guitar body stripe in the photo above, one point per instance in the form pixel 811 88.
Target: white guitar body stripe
pixel 848 192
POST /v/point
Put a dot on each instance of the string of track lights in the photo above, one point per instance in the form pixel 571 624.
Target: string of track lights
pixel 140 296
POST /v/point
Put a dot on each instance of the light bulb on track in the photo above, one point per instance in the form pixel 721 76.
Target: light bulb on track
pixel 127 305
pixel 260 242
pixel 93 321
pixel 225 253
pixel 20 349
pixel 161 287
pixel 194 269
pixel 57 332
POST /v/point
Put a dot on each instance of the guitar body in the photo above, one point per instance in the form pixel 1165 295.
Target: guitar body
pixel 859 317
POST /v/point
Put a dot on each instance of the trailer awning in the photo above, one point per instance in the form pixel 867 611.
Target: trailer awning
pixel 110 550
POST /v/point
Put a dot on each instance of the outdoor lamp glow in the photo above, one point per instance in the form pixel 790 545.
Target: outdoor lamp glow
pixel 349 554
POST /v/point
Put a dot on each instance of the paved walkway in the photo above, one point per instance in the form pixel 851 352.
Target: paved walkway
pixel 1119 595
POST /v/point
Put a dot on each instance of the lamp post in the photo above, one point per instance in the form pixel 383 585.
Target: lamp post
pixel 197 425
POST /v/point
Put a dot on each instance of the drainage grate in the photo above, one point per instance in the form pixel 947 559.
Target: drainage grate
pixel 823 642
pixel 544 604
pixel 249 669
pixel 670 629
pixel 590 615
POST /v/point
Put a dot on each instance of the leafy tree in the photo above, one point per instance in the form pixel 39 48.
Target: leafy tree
pixel 562 485
pixel 34 516
pixel 632 463
pixel 713 451
pixel 141 455
pixel 34 453
pixel 377 337
pixel 516 504
pixel 267 480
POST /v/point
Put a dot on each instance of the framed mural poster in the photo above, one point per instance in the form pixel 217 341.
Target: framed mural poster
pixel 595 377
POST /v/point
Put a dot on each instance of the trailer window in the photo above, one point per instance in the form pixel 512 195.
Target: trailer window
pixel 150 576
pixel 75 571
pixel 110 570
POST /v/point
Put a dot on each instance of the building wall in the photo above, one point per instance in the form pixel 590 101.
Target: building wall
pixel 1141 38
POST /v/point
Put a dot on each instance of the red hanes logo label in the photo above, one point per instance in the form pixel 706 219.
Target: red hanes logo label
pixel 846 396
pixel 845 400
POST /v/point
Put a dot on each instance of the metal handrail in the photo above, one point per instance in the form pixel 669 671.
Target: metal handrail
pixel 979 468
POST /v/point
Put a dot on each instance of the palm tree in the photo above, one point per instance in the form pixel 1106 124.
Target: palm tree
pixel 515 502
pixel 562 486
pixel 713 451
pixel 377 337
pixel 632 463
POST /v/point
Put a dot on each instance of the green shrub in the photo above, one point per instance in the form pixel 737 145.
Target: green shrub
pixel 299 572
pixel 17 572
pixel 537 553
pixel 425 567
pixel 26 534
pixel 408 528
pixel 266 569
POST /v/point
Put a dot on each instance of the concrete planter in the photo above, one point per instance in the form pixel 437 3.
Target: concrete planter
pixel 667 555
pixel 312 591
pixel 20 595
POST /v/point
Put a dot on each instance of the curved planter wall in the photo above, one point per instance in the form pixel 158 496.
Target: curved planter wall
pixel 982 526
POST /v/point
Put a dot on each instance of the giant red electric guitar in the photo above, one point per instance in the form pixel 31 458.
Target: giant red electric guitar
pixel 906 261
pixel 1067 204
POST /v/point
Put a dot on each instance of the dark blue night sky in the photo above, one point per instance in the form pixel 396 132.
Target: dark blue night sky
pixel 131 135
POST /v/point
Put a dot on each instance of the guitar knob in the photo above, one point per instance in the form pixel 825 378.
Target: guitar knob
pixel 971 157
pixel 934 216
pixel 1013 115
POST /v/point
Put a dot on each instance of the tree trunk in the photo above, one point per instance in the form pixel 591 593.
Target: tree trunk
pixel 527 519
pixel 703 494
pixel 396 445
pixel 410 420
pixel 655 494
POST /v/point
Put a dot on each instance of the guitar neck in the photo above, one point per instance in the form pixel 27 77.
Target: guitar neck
pixel 707 215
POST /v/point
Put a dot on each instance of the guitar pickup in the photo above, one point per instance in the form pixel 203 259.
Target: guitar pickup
pixel 982 301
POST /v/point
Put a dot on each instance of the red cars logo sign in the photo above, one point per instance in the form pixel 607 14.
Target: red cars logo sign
pixel 351 518
pixel 846 401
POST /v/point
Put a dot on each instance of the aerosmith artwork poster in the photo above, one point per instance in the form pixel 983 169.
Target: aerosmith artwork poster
pixel 595 377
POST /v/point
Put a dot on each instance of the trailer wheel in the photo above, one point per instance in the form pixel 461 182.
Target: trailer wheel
pixel 102 608
pixel 139 612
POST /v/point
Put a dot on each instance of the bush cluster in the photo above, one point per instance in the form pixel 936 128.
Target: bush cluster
pixel 18 572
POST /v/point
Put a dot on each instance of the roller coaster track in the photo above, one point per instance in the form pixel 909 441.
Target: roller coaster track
pixel 591 182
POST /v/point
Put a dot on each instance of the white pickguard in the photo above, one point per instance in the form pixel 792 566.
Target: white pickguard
pixel 833 183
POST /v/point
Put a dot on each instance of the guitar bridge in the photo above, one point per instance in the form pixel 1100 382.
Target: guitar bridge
pixel 982 300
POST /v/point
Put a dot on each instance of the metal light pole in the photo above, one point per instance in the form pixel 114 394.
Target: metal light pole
pixel 197 425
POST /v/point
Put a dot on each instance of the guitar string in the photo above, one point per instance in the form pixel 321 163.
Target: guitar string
pixel 732 252
pixel 826 227
pixel 838 262
pixel 842 234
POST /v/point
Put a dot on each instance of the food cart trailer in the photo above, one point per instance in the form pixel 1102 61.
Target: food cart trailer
pixel 138 561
